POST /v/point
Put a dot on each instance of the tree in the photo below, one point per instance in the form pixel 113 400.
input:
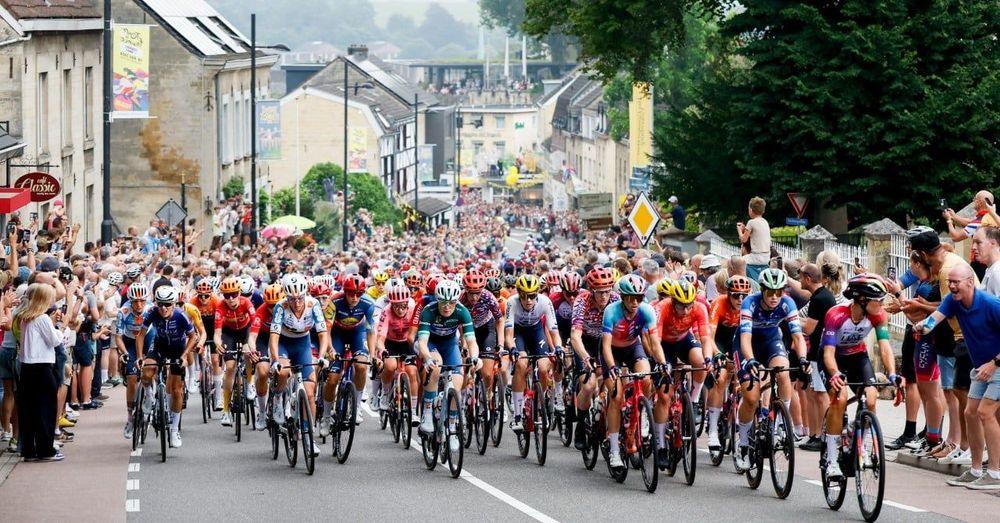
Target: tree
pixel 440 28
pixel 366 191
pixel 234 187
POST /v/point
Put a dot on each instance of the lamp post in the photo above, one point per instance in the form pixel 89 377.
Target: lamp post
pixel 416 159
pixel 298 167
pixel 253 128
pixel 107 222
pixel 357 85
pixel 458 166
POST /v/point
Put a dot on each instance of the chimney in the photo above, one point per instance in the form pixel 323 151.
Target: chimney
pixel 358 52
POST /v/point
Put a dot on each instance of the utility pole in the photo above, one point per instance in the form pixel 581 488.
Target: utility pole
pixel 253 127
pixel 107 223
pixel 346 64
pixel 184 221
pixel 458 168
pixel 416 159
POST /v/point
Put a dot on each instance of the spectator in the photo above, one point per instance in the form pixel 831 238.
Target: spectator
pixel 986 249
pixel 652 274
pixel 8 359
pixel 678 213
pixel 755 237
pixel 821 300
pixel 738 267
pixel 38 335
pixel 707 268
pixel 960 228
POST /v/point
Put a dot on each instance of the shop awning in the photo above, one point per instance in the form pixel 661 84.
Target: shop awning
pixel 12 199
pixel 430 207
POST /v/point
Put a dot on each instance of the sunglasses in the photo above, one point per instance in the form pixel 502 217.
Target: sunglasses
pixel 447 303
pixel 295 298
pixel 205 295
pixel 353 294
pixel 631 297
pixel 771 293
pixel 568 293
pixel 683 306
pixel 738 296
pixel 231 295
pixel 530 296
pixel 164 305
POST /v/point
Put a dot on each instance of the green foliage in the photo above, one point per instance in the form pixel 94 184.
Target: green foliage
pixel 234 187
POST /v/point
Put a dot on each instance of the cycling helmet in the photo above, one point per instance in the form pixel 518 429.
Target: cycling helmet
pixel 138 291
pixel 528 284
pixel 631 285
pixel 247 285
pixel 432 282
pixel 413 279
pixel 509 280
pixel 214 282
pixel 380 277
pixel 772 279
pixel 354 284
pixel 474 281
pixel 492 272
pixel 320 289
pixel 552 278
pixel 204 286
pixel 115 278
pixel 165 294
pixel 447 290
pixel 865 287
pixel 294 285
pixel 600 278
pixel 570 281
pixel 230 286
pixel 683 292
pixel 395 282
pixel 690 277
pixel 494 284
pixel 739 285
pixel 616 274
pixel 923 238
pixel 665 287
pixel 133 271
pixel 273 294
pixel 398 293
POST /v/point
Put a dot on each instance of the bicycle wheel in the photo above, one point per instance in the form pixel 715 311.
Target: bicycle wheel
pixel 164 421
pixel 541 423
pixel 376 401
pixel 591 451
pixel 346 416
pixel 455 458
pixel 204 385
pixel 568 417
pixel 497 412
pixel 470 415
pixel 429 448
pixel 273 431
pixel 523 437
pixel 136 416
pixel 405 412
pixel 647 446
pixel 674 422
pixel 392 415
pixel 833 491
pixel 756 471
pixel 699 403
pixel 305 423
pixel 781 457
pixel 689 440
pixel 481 419
pixel 291 440
pixel 236 405
pixel 869 465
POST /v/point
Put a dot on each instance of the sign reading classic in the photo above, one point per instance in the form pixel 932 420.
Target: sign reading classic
pixel 43 186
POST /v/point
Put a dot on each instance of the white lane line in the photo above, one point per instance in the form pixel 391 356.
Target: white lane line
pixel 490 489
pixel 907 508
pixel 137 452
pixel 131 505
pixel 133 467
pixel 132 484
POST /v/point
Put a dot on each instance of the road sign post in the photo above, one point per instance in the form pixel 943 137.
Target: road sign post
pixel 644 218
pixel 172 213
pixel 799 203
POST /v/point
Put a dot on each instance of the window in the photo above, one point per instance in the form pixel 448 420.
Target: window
pixel 88 103
pixel 67 108
pixel 43 113
pixel 88 211
pixel 500 120
pixel 499 147
pixel 224 126
pixel 477 147
pixel 237 129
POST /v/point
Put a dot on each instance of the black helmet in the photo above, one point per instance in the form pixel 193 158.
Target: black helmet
pixel 508 280
pixel 865 286
pixel 923 238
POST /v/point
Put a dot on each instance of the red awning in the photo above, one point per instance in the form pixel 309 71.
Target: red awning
pixel 12 199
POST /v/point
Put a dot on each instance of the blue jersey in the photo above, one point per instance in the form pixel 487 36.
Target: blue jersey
pixel 756 320
pixel 625 331
pixel 357 318
pixel 171 331
pixel 127 324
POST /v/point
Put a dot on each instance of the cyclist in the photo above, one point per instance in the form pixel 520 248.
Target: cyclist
pixel 759 340
pixel 294 317
pixel 259 338
pixel 487 321
pixel 377 290
pixel 207 302
pixel 562 297
pixel 628 336
pixel 195 316
pixel 585 337
pixel 232 328
pixel 174 337
pixel 352 325
pixel 391 339
pixel 845 356
pixel 322 293
pixel 529 316
pixel 723 320
pixel 437 344
pixel 248 289
pixel 127 326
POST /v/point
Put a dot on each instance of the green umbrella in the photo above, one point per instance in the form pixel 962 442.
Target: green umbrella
pixel 298 222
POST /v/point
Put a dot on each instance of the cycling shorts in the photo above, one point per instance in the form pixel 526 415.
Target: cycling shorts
pixel 531 340
pixel 447 347
pixel 593 347
pixel 263 344
pixel 680 350
pixel 486 338
pixel 160 351
pixel 296 350
pixel 856 367
pixel 398 348
pixel 624 357
pixel 924 361
pixel 765 348
pixel 130 369
pixel 232 341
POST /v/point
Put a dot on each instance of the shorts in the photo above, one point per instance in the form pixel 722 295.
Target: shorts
pixel 263 343
pixel 924 361
pixel 818 383
pixel 909 364
pixel 8 363
pixel 531 340
pixel 398 348
pixel 946 366
pixel 624 356
pixel 963 370
pixel 232 340
pixel 856 367
pixel 724 336
pixel 83 352
pixel 593 347
pixel 342 339
pixel 159 351
pixel 486 338
pixel 764 348
pixel 447 347
pixel 130 369
pixel 680 350
pixel 60 365
pixel 298 353
pixel 985 389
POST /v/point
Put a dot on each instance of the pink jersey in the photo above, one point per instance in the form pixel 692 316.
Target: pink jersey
pixel 395 328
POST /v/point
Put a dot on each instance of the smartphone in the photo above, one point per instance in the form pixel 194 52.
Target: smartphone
pixel 890 273
pixel 34 216
pixel 943 203
pixel 776 262
pixel 23 235
pixel 11 227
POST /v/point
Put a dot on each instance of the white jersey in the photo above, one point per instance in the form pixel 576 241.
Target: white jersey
pixel 285 322
pixel 517 316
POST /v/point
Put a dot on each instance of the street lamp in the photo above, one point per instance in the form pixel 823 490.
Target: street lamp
pixel 357 85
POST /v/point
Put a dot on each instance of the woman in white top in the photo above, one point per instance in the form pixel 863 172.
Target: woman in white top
pixel 37 336
pixel 757 233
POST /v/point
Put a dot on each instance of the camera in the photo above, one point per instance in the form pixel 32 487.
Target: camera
pixel 65 274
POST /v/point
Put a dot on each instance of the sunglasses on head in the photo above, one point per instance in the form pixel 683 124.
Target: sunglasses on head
pixel 231 295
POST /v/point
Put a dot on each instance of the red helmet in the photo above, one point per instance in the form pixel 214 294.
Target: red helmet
pixel 432 282
pixel 492 272
pixel 570 281
pixel 600 278
pixel 474 281
pixel 319 289
pixel 273 293
pixel 552 278
pixel 413 279
pixel 354 284
pixel 738 285
pixel 398 294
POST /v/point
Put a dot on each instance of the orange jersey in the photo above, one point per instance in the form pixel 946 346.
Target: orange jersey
pixel 235 319
pixel 674 327
pixel 723 313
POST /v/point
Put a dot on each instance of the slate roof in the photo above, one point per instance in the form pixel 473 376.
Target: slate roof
pixel 25 9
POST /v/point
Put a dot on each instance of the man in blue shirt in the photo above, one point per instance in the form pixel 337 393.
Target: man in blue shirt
pixel 978 314
pixel 677 213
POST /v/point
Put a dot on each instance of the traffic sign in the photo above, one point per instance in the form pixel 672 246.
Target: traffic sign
pixel 643 218
pixel 172 213
pixel 796 221
pixel 799 203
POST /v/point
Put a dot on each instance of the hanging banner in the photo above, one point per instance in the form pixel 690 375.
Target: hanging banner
pixel 269 129
pixel 357 157
pixel 130 64
pixel 425 162
pixel 640 124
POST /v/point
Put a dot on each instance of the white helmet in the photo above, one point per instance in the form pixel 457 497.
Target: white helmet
pixel 294 285
pixel 133 271
pixel 247 285
pixel 115 278
pixel 447 290
pixel 165 294
pixel 138 291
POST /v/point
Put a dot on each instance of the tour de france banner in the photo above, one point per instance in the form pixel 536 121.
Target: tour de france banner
pixel 357 157
pixel 130 65
pixel 269 129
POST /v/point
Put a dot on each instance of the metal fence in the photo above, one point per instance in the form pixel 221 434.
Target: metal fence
pixel 722 249
pixel 787 252
pixel 849 254
pixel 899 258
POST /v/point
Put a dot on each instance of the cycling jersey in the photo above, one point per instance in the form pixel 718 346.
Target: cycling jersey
pixel 485 310
pixel 674 328
pixel 207 309
pixel 395 328
pixel 374 292
pixel 723 314
pixel 434 325
pixel 587 317
pixel 194 315
pixel 756 320
pixel 840 331
pixel 234 319
pixel 261 322
pixel 347 318
pixel 562 306
pixel 127 324
pixel 625 331
pixel 288 325
pixel 172 331
pixel 540 312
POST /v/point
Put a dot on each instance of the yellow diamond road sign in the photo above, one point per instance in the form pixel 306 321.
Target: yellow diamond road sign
pixel 643 218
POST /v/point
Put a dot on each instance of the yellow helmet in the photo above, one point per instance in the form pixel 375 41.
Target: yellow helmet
pixel 616 274
pixel 528 283
pixel 665 287
pixel 683 292
pixel 380 277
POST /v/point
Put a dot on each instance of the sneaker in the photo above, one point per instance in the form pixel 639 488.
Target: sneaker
pixel 91 406
pixel 107 384
pixel 833 471
pixel 924 448
pixel 72 406
pixel 128 429
pixel 713 440
pixel 260 423
pixel 193 387
pixel 966 479
pixel 615 460
pixel 964 458
pixel 516 425
pixel 316 449
pixel 560 404
pixel 65 423
pixel 58 456
pixel 915 443
pixel 942 450
pixel 742 458
pixel 227 420
pixel 116 381
pixel 985 482
pixel 175 439
pixel 251 392
pixel 72 415
pixel 6 436
pixel 453 443
pixel 427 422
pixel 899 442
pixel 953 455
pixel 65 437
pixel 383 402
pixel 358 418
pixel 218 403
pixel 813 444
pixel 324 426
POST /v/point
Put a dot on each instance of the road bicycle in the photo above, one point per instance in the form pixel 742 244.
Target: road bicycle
pixel 726 425
pixel 241 406
pixel 205 388
pixel 298 423
pixel 771 436
pixel 476 426
pixel 563 421
pixel 159 418
pixel 593 421
pixel 436 446
pixel 345 412
pixel 400 412
pixel 861 454
pixel 497 399
pixel 535 412
pixel 637 444
pixel 681 434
